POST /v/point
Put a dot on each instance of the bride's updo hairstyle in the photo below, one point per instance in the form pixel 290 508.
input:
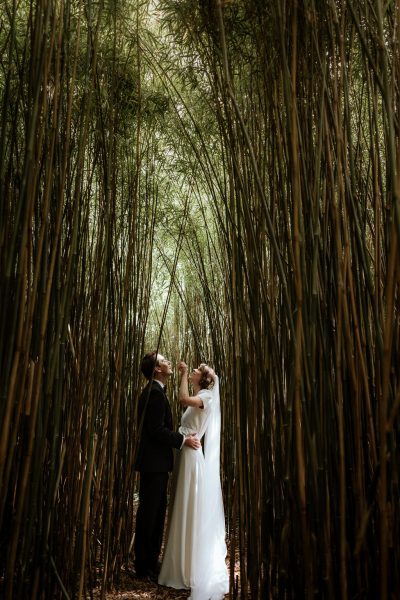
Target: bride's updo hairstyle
pixel 206 381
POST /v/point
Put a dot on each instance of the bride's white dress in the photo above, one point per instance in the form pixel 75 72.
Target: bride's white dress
pixel 195 549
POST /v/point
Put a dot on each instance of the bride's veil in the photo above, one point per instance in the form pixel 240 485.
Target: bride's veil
pixel 210 576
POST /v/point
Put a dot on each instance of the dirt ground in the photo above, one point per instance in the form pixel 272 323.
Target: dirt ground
pixel 131 588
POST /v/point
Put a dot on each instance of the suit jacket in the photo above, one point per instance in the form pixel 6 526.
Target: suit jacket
pixel 157 439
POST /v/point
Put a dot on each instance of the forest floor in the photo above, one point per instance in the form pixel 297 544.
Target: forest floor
pixel 130 587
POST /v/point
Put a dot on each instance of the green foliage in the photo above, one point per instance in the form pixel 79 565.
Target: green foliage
pixel 219 179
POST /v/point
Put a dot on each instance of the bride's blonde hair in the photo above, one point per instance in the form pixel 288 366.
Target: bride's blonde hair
pixel 206 380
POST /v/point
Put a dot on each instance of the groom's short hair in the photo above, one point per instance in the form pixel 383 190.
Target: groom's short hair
pixel 149 362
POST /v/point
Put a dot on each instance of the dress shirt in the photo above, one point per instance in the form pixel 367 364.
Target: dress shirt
pixel 161 384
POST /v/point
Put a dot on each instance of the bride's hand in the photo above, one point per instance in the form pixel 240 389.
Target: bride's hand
pixel 182 367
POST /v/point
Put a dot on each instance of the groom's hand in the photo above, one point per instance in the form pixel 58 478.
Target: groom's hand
pixel 192 441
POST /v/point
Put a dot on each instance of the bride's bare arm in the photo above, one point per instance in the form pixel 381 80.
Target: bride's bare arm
pixel 184 397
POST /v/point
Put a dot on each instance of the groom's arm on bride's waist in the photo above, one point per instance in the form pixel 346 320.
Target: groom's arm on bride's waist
pixel 155 421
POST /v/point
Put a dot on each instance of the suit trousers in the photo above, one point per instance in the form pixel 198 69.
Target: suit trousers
pixel 150 519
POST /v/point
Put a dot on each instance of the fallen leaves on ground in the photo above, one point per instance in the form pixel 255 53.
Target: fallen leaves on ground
pixel 131 588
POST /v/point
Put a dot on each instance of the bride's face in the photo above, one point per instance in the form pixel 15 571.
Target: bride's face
pixel 195 377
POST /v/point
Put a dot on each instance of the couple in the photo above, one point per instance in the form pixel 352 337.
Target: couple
pixel 195 550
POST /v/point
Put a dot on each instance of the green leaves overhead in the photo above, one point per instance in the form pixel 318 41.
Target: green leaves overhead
pixel 222 178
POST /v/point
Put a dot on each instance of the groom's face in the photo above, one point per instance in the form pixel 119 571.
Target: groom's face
pixel 164 366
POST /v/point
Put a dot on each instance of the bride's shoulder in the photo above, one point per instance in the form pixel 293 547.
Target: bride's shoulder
pixel 204 392
pixel 206 397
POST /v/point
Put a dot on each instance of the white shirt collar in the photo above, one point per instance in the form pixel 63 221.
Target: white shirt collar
pixel 159 383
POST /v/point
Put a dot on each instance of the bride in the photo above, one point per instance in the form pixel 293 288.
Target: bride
pixel 195 550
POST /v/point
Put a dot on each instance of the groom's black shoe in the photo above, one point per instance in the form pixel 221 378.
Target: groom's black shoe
pixel 141 574
pixel 148 574
pixel 153 576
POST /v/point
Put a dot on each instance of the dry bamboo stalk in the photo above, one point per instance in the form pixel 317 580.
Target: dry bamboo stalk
pixel 85 515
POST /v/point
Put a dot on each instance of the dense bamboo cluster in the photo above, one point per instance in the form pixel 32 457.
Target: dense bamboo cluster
pixel 77 221
pixel 230 193
pixel 306 98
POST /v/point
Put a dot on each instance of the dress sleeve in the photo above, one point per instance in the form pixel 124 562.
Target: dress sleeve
pixel 206 397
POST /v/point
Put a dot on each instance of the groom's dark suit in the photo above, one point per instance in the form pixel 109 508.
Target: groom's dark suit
pixel 154 461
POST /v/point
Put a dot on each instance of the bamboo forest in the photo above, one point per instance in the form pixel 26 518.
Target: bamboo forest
pixel 219 181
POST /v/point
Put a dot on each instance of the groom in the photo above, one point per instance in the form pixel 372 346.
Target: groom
pixel 154 461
